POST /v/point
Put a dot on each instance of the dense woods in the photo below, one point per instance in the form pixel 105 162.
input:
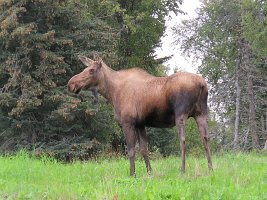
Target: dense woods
pixel 229 37
pixel 39 46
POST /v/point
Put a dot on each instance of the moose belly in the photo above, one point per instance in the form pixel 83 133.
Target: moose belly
pixel 160 119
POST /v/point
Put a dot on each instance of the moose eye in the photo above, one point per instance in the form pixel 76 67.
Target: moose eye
pixel 91 71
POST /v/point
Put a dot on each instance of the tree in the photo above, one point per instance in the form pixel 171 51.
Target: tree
pixel 255 31
pixel 142 24
pixel 39 42
pixel 219 38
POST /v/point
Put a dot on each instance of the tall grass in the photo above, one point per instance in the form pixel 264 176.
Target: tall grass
pixel 235 176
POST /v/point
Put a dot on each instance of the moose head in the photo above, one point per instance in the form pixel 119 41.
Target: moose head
pixel 89 77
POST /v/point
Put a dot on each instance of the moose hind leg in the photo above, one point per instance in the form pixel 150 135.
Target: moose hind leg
pixel 203 131
pixel 180 123
pixel 144 148
pixel 130 136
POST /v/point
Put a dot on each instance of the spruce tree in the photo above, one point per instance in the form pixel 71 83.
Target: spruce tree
pixel 39 44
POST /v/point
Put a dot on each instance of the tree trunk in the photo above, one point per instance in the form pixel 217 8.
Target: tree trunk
pixel 252 113
pixel 263 130
pixel 265 146
pixel 237 104
pixel 252 110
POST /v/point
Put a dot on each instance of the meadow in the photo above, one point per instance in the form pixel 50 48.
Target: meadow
pixel 235 176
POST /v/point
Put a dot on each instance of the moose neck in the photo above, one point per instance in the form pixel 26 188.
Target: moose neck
pixel 108 83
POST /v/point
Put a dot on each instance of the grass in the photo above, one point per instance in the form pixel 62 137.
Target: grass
pixel 235 176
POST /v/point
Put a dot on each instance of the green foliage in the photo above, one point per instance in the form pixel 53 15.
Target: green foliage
pixel 167 143
pixel 164 141
pixel 254 22
pixel 142 24
pixel 39 42
pixel 235 176
pixel 213 39
pixel 224 35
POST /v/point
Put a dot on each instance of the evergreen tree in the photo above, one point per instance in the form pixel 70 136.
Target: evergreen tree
pixel 39 42
pixel 142 24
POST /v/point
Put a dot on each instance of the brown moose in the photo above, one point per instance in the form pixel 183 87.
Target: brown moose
pixel 140 99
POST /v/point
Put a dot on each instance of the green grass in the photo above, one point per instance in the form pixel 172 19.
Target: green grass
pixel 235 176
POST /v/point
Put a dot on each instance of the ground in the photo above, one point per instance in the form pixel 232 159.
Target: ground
pixel 235 176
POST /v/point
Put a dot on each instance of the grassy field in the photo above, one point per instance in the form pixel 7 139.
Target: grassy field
pixel 235 176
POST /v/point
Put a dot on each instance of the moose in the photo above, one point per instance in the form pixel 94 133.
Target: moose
pixel 142 100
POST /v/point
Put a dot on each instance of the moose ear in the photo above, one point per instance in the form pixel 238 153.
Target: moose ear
pixel 98 60
pixel 86 61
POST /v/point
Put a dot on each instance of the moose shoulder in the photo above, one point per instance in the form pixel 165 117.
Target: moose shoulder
pixel 140 99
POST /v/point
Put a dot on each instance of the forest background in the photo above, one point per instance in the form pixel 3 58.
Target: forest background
pixel 40 41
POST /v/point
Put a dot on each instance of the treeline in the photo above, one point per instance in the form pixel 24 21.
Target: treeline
pixel 230 39
pixel 40 42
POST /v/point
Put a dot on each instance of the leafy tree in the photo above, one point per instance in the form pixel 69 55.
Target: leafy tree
pixel 219 37
pixel 255 31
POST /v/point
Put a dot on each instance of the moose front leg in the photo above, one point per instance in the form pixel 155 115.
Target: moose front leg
pixel 130 136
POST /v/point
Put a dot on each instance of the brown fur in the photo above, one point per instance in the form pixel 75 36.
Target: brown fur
pixel 140 99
